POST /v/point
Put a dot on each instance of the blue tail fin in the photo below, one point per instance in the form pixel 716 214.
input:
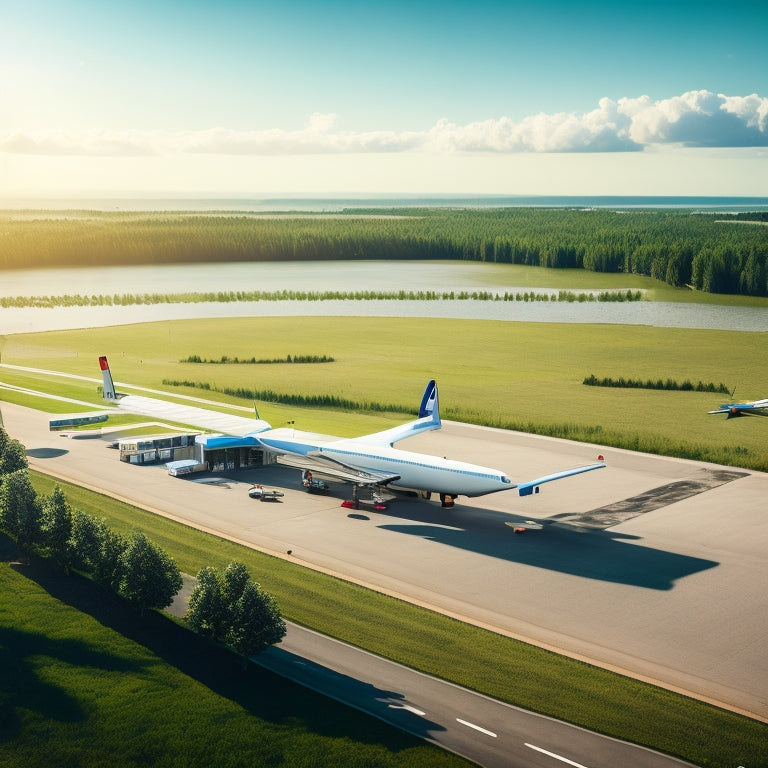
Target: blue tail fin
pixel 429 406
pixel 429 418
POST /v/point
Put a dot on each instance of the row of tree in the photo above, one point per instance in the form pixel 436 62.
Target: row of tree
pixel 308 401
pixel 227 607
pixel 225 359
pixel 130 299
pixel 667 384
pixel 710 252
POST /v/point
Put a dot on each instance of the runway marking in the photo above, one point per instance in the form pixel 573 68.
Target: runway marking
pixel 620 511
pixel 557 757
pixel 408 708
pixel 476 727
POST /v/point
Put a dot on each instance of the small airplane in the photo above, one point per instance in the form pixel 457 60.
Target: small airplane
pixel 752 408
pixel 370 461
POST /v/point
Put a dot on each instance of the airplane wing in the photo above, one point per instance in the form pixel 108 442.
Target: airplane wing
pixel 526 489
pixel 754 408
pixel 323 465
pixel 182 414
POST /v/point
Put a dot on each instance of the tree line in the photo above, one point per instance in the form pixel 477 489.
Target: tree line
pixel 227 360
pixel 709 252
pixel 130 299
pixel 307 401
pixel 225 606
pixel 667 384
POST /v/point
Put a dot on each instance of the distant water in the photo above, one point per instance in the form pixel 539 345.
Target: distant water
pixel 336 204
pixel 656 314
pixel 343 276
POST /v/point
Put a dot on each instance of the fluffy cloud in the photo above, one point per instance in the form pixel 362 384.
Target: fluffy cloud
pixel 695 119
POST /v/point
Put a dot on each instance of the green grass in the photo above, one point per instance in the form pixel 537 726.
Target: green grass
pixel 525 376
pixel 498 666
pixel 84 682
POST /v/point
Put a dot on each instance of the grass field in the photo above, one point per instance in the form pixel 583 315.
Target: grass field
pixel 525 376
pixel 84 682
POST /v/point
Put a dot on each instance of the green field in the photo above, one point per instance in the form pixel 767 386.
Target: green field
pixel 524 376
pixel 84 682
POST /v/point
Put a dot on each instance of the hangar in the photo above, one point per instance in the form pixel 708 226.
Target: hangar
pixel 192 452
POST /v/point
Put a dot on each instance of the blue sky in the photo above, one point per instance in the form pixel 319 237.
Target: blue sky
pixel 344 97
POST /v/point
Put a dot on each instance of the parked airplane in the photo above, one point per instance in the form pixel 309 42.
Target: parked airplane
pixel 753 408
pixel 370 461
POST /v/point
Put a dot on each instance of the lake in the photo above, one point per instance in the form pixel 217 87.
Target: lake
pixel 326 276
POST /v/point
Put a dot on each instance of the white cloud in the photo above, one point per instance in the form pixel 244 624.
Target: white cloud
pixel 696 119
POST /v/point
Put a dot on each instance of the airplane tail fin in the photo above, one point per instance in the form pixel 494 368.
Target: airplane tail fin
pixel 108 390
pixel 429 405
pixel 429 418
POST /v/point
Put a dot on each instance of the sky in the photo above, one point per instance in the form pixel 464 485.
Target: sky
pixel 251 98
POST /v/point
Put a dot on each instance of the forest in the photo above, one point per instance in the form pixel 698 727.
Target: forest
pixel 711 252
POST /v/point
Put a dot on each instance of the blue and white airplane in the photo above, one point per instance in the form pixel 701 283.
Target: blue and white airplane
pixel 369 461
pixel 752 408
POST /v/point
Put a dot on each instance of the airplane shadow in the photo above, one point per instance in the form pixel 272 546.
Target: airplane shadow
pixel 602 555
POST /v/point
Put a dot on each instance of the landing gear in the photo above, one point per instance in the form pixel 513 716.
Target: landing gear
pixel 378 502
pixel 447 501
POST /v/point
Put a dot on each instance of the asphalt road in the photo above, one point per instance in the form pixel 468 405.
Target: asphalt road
pixel 655 567
pixel 488 732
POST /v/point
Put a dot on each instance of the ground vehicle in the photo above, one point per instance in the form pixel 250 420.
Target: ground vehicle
pixel 315 486
pixel 264 494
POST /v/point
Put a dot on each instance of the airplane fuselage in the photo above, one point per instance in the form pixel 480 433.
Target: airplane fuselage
pixel 416 471
pixel 419 471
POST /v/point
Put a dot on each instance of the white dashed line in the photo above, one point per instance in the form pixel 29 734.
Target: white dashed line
pixel 476 727
pixel 557 757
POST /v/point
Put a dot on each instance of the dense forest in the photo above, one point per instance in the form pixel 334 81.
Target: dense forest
pixel 717 253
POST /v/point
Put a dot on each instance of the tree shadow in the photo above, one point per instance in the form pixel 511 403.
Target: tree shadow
pixel 21 654
pixel 262 693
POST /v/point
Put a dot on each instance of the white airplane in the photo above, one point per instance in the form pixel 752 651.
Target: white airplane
pixel 370 461
pixel 752 408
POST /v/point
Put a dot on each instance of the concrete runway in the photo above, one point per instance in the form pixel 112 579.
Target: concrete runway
pixel 655 567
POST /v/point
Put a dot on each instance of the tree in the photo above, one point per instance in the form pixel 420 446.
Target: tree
pixel 753 276
pixel 20 508
pixel 13 457
pixel 108 568
pixel 56 527
pixel 206 612
pixel 235 580
pixel 255 622
pixel 149 578
pixel 85 541
pixel 232 609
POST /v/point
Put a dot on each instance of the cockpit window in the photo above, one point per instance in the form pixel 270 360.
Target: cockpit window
pixel 505 479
